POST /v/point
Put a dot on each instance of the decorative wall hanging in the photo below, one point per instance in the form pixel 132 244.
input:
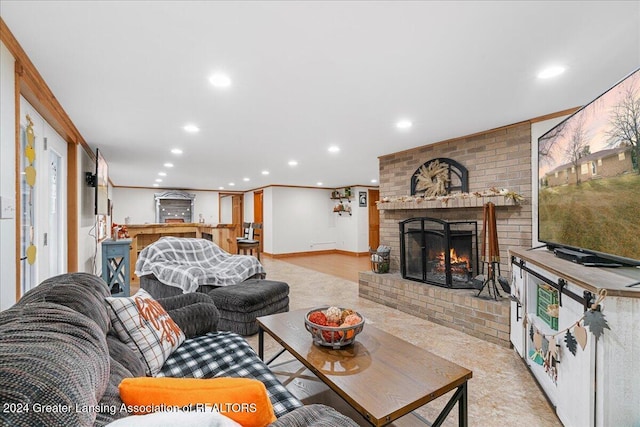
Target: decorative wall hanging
pixel 439 177
pixel 362 199
pixel 30 177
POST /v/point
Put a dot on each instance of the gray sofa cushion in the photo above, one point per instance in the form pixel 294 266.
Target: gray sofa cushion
pixel 151 284
pixel 51 355
pixel 239 305
pixel 121 353
pixel 314 416
pixel 82 292
pixel 250 295
pixel 196 319
pixel 111 403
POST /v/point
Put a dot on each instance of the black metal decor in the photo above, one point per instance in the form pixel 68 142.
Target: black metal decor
pixel 443 253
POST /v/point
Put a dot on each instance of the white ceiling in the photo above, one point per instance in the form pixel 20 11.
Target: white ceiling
pixel 307 75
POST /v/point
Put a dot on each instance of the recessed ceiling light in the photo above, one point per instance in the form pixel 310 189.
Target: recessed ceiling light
pixel 231 184
pixel 168 165
pixel 404 124
pixel 158 180
pixel 245 179
pixel 319 183
pixel 220 80
pixel 293 163
pixel 334 149
pixel 191 128
pixel 162 173
pixel 220 188
pixel 549 72
pixel 156 185
pixel 374 181
pixel 265 172
pixel 176 151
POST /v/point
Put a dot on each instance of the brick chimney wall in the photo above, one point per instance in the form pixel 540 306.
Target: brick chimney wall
pixel 498 158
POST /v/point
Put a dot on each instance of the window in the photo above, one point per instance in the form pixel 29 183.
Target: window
pixel 621 156
pixel 584 168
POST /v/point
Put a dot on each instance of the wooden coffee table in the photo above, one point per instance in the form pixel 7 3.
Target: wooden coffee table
pixel 379 375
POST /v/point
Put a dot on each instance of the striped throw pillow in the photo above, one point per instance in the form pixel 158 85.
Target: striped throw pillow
pixel 146 328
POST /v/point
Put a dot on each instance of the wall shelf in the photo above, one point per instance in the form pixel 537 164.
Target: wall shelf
pixel 451 203
pixel 343 195
pixel 343 208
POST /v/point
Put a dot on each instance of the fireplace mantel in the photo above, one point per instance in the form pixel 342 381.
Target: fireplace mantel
pixel 451 203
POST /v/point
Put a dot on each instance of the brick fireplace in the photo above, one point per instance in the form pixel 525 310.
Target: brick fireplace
pixel 499 158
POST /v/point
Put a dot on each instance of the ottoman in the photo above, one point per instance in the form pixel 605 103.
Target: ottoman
pixel 239 305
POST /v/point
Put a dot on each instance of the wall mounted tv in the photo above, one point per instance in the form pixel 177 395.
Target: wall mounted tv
pixel 588 180
pixel 101 185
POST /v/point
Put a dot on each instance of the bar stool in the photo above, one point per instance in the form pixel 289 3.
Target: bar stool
pixel 249 245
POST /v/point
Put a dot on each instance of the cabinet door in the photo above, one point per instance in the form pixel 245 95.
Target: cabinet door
pixel 576 374
pixel 517 332
pixel 571 388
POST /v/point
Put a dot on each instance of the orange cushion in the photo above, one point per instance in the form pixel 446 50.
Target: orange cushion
pixel 244 400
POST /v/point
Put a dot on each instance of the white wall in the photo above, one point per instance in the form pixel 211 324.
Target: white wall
pixel 7 180
pixel 89 254
pixel 267 217
pixel 353 231
pixel 302 220
pixel 226 210
pixel 247 206
pixel 139 205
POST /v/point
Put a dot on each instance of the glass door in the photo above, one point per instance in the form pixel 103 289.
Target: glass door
pixel 43 171
pixel 28 168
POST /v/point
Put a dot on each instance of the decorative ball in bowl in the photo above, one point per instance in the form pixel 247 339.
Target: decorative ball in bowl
pixel 333 326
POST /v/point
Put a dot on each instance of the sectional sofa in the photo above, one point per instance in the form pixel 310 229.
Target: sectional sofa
pixel 61 361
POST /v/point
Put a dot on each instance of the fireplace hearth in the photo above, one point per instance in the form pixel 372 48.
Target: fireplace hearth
pixel 438 252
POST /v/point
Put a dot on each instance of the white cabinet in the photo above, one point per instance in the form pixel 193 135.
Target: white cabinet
pixel 600 385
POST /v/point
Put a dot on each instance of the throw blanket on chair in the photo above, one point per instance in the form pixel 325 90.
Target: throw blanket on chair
pixel 188 263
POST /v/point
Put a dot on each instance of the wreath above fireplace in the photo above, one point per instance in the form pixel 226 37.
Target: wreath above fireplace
pixel 439 177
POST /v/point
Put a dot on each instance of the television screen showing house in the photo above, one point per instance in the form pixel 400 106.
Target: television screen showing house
pixel 589 186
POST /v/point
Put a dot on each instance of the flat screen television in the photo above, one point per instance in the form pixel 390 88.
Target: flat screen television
pixel 101 185
pixel 588 179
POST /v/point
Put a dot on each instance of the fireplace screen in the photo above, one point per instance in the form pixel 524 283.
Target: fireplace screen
pixel 443 253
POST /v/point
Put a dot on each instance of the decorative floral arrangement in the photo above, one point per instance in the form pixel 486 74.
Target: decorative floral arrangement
pixel 119 231
pixel 492 192
pixel 334 326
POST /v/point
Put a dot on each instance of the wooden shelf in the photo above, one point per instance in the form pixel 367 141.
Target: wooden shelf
pixel 452 203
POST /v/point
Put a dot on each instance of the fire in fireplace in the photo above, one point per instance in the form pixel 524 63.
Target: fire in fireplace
pixel 443 253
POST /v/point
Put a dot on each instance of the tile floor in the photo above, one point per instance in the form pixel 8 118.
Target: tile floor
pixel 501 393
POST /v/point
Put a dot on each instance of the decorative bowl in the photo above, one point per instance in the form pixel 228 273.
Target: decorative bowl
pixel 332 336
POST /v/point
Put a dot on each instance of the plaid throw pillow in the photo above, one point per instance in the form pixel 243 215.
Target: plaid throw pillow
pixel 146 328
